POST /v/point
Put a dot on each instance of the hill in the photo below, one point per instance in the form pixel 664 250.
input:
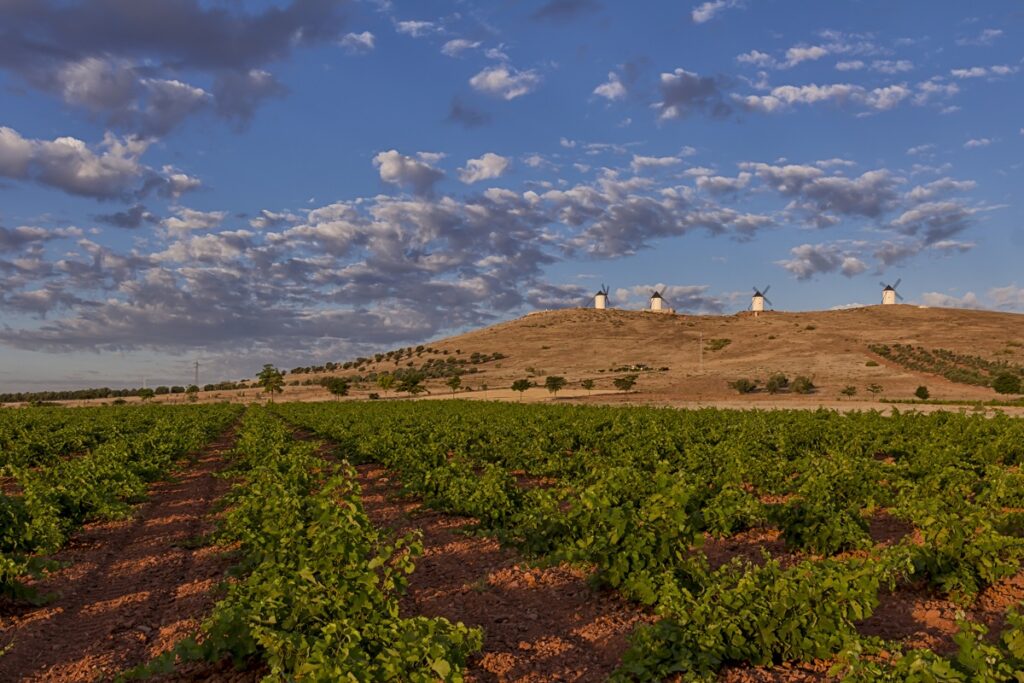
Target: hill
pixel 687 359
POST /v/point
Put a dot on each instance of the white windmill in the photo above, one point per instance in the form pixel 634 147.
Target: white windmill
pixel 601 298
pixel 757 301
pixel 657 302
pixel 889 293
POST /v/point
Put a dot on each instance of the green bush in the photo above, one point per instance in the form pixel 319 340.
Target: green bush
pixel 776 383
pixel 1007 383
pixel 744 386
pixel 922 393
pixel 802 385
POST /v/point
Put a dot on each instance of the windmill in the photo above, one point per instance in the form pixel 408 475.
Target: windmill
pixel 758 300
pixel 889 293
pixel 601 298
pixel 657 302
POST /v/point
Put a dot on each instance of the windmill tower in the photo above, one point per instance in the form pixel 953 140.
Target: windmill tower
pixel 657 303
pixel 601 298
pixel 758 300
pixel 889 293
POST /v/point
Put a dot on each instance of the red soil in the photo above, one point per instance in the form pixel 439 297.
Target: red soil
pixel 132 589
pixel 539 624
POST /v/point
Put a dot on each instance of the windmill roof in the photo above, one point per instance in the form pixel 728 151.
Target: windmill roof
pixel 656 296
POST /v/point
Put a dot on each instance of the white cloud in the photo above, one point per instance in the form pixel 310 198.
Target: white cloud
pixel 975 143
pixel 706 11
pixel 986 37
pixel 850 65
pixel 187 220
pixel 756 58
pixel 940 300
pixel 642 163
pixel 490 165
pixel 1010 296
pixel 887 66
pixel 455 47
pixel 416 29
pixel 358 42
pixel 398 169
pixel 800 53
pixel 505 81
pixel 921 149
pixel 613 89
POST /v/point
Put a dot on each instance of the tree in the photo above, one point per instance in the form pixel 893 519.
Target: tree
pixel 454 382
pixel 802 385
pixel 744 386
pixel 1007 383
pixel 776 383
pixel 922 393
pixel 624 384
pixel 271 379
pixel 412 383
pixel 146 394
pixel 554 384
pixel 336 385
pixel 385 382
pixel 587 384
pixel 521 385
pixel 849 391
pixel 874 389
pixel 192 393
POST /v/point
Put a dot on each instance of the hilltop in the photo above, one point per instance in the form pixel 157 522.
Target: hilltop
pixel 664 350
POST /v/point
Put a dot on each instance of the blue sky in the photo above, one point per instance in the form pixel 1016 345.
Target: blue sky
pixel 304 181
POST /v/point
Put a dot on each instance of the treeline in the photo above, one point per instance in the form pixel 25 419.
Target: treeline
pixel 107 392
pixel 962 368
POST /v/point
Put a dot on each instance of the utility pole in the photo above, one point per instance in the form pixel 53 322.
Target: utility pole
pixel 197 374
pixel 701 353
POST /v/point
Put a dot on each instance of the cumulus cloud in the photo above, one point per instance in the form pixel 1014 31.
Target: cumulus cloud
pixel 121 64
pixel 134 217
pixel 975 143
pixel 69 164
pixel 505 81
pixel 683 92
pixel 642 163
pixel 416 29
pixel 398 169
pixel 186 220
pixel 706 11
pixel 1009 297
pixel 985 37
pixel 489 166
pixel 934 221
pixel 808 260
pixel 359 43
pixel 938 299
pixel 613 89
pixel 456 46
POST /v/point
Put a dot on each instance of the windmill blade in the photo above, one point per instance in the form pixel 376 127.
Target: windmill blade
pixel 765 290
pixel 883 285
pixel 898 296
pixel 898 281
pixel 756 291
pixel 768 301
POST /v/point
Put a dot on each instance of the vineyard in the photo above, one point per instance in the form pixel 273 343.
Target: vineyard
pixel 738 541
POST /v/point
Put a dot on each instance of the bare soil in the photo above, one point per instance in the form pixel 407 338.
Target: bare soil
pixel 132 588
pixel 545 624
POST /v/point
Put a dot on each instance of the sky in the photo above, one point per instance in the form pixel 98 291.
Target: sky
pixel 304 181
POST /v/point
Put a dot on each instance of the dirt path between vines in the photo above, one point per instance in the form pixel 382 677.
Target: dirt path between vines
pixel 539 624
pixel 133 588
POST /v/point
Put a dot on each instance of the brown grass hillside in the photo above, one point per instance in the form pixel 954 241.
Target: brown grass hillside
pixel 831 347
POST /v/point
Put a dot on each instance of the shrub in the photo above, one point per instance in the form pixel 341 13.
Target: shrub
pixel 717 344
pixel 802 385
pixel 624 383
pixel 776 383
pixel 374 396
pixel 922 393
pixel 849 390
pixel 872 364
pixel 1007 383
pixel 744 385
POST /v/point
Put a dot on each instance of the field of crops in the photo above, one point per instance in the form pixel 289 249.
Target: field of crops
pixel 635 494
pixel 743 538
